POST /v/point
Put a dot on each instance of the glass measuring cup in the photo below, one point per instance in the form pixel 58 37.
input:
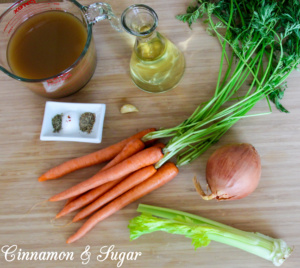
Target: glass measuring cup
pixel 77 74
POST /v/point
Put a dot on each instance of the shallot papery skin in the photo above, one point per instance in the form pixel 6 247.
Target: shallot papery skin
pixel 233 172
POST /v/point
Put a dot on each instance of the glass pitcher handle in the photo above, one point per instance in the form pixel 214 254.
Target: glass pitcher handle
pixel 101 11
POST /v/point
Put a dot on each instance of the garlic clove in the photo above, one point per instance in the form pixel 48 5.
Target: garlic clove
pixel 128 108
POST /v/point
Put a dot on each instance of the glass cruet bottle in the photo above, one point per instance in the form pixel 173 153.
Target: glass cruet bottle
pixel 156 64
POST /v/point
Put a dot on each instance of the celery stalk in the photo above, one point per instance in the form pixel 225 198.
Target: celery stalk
pixel 202 231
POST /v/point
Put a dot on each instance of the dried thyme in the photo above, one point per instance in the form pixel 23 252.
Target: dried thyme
pixel 57 122
pixel 86 122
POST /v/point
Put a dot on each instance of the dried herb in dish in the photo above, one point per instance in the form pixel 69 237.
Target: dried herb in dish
pixel 87 121
pixel 57 122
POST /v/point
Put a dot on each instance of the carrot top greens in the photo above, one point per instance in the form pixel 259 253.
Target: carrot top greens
pixel 264 38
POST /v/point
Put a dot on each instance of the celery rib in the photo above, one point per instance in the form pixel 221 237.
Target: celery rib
pixel 202 230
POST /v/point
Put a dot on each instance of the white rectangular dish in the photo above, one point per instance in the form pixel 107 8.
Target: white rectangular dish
pixel 71 113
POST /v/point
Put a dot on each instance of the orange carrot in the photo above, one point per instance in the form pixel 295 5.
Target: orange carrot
pixel 149 143
pixel 125 185
pixel 87 198
pixel 130 149
pixel 159 145
pixel 71 199
pixel 164 174
pixel 142 159
pixel 97 157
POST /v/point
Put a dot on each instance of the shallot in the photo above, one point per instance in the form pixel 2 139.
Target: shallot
pixel 232 172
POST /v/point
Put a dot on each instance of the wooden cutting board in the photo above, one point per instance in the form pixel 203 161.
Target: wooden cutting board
pixel 26 221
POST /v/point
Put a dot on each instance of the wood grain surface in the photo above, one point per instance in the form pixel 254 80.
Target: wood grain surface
pixel 26 221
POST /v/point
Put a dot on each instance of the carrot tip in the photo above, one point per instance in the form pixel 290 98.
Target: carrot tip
pixel 70 240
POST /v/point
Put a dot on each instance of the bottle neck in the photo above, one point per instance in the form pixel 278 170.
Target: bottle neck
pixel 147 38
pixel 139 20
pixel 150 47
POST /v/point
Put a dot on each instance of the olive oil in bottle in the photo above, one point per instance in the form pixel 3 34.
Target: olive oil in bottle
pixel 156 65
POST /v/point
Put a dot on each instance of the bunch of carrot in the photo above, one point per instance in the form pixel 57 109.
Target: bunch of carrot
pixel 128 176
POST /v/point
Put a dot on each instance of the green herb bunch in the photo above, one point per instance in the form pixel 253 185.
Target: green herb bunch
pixel 263 37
